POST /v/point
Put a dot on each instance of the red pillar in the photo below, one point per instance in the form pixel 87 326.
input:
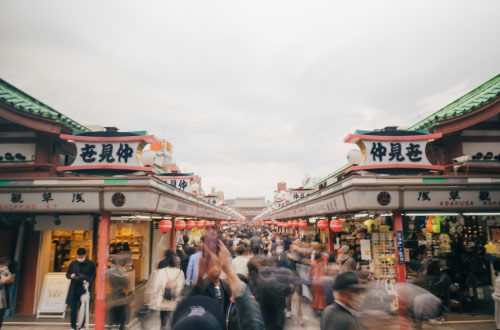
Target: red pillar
pixel 330 236
pixel 397 221
pixel 172 237
pixel 100 301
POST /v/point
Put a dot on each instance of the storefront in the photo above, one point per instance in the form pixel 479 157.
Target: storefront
pixel 431 192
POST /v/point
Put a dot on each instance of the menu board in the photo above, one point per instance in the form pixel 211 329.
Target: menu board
pixel 53 298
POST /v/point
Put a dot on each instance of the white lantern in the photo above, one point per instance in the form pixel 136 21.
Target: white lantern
pixel 354 157
pixel 148 157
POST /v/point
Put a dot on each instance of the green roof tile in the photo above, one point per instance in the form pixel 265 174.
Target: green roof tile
pixel 480 96
pixel 21 101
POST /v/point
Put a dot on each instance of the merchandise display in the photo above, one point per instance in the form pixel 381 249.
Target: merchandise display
pixel 64 246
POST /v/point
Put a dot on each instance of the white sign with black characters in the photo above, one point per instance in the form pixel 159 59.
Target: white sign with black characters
pixel 130 200
pixel 22 201
pixel 106 153
pixel 395 152
pixel 482 151
pixel 372 200
pixel 452 199
pixel 17 153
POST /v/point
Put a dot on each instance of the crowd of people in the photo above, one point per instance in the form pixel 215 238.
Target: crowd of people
pixel 252 278
pixel 270 268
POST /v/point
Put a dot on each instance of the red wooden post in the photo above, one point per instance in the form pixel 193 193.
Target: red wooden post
pixel 397 221
pixel 172 236
pixel 330 236
pixel 100 301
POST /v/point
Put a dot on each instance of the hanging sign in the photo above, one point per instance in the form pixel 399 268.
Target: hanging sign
pixel 401 250
pixel 393 152
pixel 108 153
pixel 187 183
pixel 365 246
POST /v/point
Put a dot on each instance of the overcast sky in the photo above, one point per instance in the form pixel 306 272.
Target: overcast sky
pixel 250 93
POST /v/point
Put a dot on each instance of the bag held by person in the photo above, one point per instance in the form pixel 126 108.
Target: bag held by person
pixel 170 292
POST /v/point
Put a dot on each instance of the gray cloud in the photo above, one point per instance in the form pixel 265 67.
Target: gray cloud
pixel 249 93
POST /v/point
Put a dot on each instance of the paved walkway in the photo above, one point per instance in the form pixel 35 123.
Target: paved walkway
pixel 310 322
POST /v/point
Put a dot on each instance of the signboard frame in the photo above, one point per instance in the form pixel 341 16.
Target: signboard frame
pixel 42 311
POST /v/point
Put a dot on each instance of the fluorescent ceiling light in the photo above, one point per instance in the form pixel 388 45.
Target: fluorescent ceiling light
pixel 142 217
pixel 430 214
pixel 386 215
pixel 481 213
pixel 361 215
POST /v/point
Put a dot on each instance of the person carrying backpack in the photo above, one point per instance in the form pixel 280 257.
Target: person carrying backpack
pixel 165 289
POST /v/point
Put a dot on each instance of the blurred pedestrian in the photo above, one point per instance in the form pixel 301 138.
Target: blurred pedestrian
pixel 6 278
pixel 345 261
pixel 82 274
pixel 239 264
pixel 317 273
pixel 270 288
pixel 349 296
pixel 255 243
pixel 119 298
pixel 192 269
pixel 166 289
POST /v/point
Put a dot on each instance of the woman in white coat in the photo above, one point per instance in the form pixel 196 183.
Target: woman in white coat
pixel 174 277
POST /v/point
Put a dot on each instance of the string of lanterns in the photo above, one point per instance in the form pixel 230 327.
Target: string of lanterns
pixel 166 225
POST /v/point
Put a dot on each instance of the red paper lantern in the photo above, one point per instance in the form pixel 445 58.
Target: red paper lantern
pixel 180 225
pixel 200 224
pixel 223 223
pixel 284 225
pixel 190 224
pixel 295 223
pixel 322 224
pixel 336 225
pixel 302 224
pixel 165 226
pixel 212 223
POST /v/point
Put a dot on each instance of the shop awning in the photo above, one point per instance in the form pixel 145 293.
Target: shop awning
pixel 124 195
pixel 386 193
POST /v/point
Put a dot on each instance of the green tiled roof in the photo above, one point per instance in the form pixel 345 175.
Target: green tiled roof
pixel 482 95
pixel 16 98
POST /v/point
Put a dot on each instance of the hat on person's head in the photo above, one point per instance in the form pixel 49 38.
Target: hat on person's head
pixel 198 312
pixel 345 249
pixel 347 281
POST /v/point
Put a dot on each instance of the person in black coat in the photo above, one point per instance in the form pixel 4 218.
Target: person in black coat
pixel 348 299
pixel 82 274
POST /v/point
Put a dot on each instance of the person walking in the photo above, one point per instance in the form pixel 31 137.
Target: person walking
pixel 318 272
pixel 82 274
pixel 6 278
pixel 167 289
pixel 345 261
pixel 239 264
pixel 119 298
pixel 193 265
pixel 349 294
pixel 255 243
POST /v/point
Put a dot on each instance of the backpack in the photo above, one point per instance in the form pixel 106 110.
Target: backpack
pixel 170 292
